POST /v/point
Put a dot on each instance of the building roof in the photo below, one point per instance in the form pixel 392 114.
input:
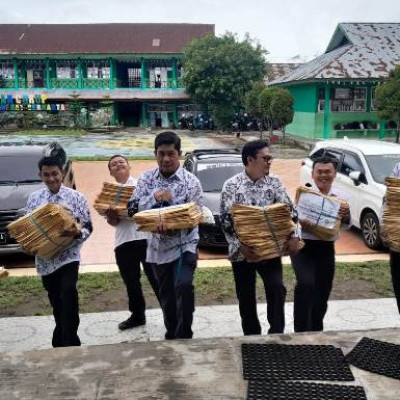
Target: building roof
pixel 356 51
pixel 98 38
pixel 278 70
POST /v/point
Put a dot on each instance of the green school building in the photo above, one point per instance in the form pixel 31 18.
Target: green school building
pixel 135 68
pixel 334 93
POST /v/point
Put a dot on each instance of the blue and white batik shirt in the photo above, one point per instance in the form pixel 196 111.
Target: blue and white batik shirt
pixel 78 206
pixel 185 188
pixel 241 189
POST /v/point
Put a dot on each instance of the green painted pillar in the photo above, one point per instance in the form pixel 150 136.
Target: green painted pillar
pixel 327 112
pixel 80 77
pixel 175 115
pixel 112 73
pixel 16 75
pixel 369 98
pixel 48 83
pixel 174 73
pixel 382 130
pixel 143 74
pixel 114 118
pixel 145 122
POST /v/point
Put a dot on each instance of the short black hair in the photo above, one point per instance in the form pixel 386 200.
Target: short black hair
pixel 325 160
pixel 115 156
pixel 50 162
pixel 251 149
pixel 167 137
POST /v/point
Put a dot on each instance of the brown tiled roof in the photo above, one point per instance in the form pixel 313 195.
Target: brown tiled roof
pixel 277 70
pixel 98 38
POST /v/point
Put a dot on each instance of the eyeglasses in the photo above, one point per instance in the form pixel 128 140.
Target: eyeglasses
pixel 267 159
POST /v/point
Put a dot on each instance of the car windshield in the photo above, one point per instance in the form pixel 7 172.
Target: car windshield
pixel 14 169
pixel 382 165
pixel 213 175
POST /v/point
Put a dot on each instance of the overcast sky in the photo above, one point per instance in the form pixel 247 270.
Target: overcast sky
pixel 290 30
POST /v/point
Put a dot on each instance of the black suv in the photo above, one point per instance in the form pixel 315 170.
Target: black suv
pixel 19 177
pixel 213 167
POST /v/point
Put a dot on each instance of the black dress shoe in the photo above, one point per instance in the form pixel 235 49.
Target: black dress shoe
pixel 169 336
pixel 132 322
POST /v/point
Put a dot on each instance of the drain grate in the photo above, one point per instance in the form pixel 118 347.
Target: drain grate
pixel 294 362
pixel 258 390
pixel 376 356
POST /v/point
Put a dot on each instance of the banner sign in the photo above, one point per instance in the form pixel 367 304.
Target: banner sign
pixel 32 102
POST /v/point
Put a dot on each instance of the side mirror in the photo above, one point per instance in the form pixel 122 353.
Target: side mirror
pixel 357 177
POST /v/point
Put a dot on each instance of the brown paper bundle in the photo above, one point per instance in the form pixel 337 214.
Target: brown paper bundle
pixel 115 196
pixel 321 232
pixel 391 214
pixel 39 232
pixel 182 216
pixel 266 230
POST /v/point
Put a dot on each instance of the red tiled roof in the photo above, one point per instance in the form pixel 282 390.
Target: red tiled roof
pixel 98 38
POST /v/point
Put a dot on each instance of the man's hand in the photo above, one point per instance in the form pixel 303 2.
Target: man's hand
pixel 163 195
pixel 112 216
pixel 73 231
pixel 292 246
pixel 305 223
pixel 163 229
pixel 344 212
pixel 249 253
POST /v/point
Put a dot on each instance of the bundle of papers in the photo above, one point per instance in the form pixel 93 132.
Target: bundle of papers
pixel 391 214
pixel 321 211
pixel 39 232
pixel 182 216
pixel 115 196
pixel 265 229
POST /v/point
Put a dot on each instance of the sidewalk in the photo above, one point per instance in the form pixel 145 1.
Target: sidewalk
pixel 31 333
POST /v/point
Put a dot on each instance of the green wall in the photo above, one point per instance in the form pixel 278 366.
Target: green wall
pixel 305 107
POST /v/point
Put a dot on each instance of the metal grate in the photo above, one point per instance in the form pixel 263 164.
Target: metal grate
pixel 258 390
pixel 294 362
pixel 376 356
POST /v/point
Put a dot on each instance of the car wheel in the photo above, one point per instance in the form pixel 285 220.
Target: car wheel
pixel 371 231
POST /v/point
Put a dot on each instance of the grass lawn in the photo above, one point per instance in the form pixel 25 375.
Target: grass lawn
pixel 105 291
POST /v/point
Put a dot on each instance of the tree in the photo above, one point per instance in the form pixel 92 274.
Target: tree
pixel 107 106
pixel 252 100
pixel 218 71
pixel 388 99
pixel 276 107
pixel 75 107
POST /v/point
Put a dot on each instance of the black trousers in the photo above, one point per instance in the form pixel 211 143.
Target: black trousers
pixel 63 295
pixel 270 272
pixel 128 256
pixel 177 295
pixel 395 272
pixel 314 267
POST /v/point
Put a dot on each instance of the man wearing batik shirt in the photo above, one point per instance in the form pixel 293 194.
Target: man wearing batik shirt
pixel 60 273
pixel 172 254
pixel 255 186
pixel 395 256
pixel 314 265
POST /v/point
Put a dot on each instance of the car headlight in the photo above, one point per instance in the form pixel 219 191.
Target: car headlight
pixel 208 217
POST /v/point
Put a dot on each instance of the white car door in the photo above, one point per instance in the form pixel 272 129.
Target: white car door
pixel 359 192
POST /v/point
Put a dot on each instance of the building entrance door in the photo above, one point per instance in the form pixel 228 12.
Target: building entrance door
pixel 129 113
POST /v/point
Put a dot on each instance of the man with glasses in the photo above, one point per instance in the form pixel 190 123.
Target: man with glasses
pixel 130 249
pixel 255 186
pixel 172 253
